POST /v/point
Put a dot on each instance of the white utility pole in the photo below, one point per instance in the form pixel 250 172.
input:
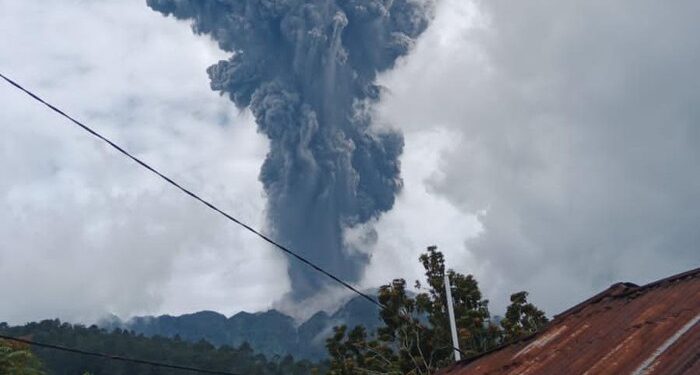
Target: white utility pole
pixel 451 311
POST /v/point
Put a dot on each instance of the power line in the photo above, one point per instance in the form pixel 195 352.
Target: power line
pixel 193 195
pixel 115 357
pixel 201 200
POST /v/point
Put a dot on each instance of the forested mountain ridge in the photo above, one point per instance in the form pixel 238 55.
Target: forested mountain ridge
pixel 200 354
pixel 270 333
pixel 412 335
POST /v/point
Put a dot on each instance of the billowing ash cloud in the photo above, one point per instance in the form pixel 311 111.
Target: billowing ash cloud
pixel 306 69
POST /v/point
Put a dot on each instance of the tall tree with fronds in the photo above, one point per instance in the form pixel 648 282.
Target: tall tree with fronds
pixel 475 331
pixel 415 338
pixel 522 317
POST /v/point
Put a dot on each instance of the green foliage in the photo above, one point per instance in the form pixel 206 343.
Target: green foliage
pixel 127 344
pixel 354 353
pixel 475 331
pixel 413 339
pixel 17 359
pixel 522 318
pixel 415 336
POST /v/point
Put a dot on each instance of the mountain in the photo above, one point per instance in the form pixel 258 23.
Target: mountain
pixel 119 343
pixel 271 333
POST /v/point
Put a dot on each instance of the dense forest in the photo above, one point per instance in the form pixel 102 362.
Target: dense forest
pixel 412 337
pixel 128 344
pixel 271 332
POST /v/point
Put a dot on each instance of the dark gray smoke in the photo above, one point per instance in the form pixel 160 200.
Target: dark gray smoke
pixel 306 69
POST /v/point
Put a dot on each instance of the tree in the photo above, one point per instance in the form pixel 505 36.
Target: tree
pixel 522 318
pixel 415 337
pixel 475 331
pixel 17 359
pixel 128 344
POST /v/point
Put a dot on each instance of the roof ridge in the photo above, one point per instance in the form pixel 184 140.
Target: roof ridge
pixel 682 275
pixel 615 291
pixel 624 289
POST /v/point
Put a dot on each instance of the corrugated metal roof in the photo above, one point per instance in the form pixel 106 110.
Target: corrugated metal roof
pixel 627 329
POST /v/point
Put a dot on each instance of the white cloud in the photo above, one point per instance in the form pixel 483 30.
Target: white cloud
pixel 550 146
pixel 84 231
pixel 579 137
pixel 420 218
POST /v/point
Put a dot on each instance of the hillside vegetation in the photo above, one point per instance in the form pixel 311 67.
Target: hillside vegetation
pixel 241 359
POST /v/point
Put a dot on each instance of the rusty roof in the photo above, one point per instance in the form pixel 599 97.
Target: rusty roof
pixel 627 329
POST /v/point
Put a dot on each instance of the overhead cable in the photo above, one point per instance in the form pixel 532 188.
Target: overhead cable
pixel 113 357
pixel 228 216
pixel 210 205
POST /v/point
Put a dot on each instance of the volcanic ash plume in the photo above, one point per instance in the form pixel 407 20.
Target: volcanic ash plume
pixel 306 70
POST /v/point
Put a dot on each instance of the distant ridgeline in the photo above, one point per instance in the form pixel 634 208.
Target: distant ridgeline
pixel 201 354
pixel 271 333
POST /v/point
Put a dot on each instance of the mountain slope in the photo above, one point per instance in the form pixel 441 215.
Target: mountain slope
pixel 270 333
pixel 200 354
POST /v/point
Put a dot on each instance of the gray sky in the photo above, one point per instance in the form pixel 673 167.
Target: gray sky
pixel 550 146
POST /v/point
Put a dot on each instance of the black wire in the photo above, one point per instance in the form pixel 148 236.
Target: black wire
pixel 201 200
pixel 115 357
pixel 193 195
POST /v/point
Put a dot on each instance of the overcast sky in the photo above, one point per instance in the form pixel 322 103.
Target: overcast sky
pixel 550 146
